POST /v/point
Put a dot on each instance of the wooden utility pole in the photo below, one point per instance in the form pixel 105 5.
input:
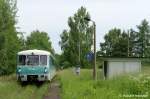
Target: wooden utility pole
pixel 94 67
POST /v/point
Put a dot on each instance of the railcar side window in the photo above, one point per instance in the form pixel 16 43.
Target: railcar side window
pixel 32 60
pixel 22 60
pixel 43 60
pixel 51 60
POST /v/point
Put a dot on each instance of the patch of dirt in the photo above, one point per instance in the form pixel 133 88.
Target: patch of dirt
pixel 53 90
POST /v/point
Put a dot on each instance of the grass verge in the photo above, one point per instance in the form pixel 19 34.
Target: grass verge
pixel 83 87
pixel 11 89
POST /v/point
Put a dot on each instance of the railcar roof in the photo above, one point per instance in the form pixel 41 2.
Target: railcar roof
pixel 34 52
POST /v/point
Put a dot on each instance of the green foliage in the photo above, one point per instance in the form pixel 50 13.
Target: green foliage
pixel 127 44
pixel 22 41
pixel 143 39
pixel 115 44
pixel 39 40
pixel 9 44
pixel 61 63
pixel 65 64
pixel 78 39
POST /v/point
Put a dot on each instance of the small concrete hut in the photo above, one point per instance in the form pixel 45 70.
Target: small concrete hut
pixel 113 67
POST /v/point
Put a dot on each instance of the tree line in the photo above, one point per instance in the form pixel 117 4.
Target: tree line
pixel 130 43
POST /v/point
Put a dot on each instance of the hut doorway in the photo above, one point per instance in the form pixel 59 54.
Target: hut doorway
pixel 105 68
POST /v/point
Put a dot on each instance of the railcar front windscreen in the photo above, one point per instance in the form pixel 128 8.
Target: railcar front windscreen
pixel 32 60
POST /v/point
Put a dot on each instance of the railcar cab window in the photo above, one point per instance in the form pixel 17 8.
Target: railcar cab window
pixel 50 60
pixel 22 60
pixel 43 60
pixel 32 60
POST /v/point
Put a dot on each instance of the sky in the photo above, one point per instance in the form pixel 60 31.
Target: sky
pixel 51 16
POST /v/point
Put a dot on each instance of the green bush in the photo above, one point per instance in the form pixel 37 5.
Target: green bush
pixel 65 64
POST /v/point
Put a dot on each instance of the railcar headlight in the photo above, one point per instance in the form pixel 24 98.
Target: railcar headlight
pixel 19 70
pixel 45 70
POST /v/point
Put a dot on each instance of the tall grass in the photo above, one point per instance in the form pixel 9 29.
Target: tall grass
pixel 11 89
pixel 83 87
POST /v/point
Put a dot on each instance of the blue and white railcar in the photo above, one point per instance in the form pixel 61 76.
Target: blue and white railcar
pixel 35 64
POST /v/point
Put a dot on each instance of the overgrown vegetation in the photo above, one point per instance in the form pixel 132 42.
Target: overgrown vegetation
pixel 11 89
pixel 83 87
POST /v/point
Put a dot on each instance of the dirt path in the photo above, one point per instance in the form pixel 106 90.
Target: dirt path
pixel 53 91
